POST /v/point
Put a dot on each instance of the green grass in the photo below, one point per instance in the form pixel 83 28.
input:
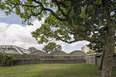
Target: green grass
pixel 52 70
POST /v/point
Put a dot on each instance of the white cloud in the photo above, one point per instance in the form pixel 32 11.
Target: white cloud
pixel 14 34
pixel 71 47
pixel 78 43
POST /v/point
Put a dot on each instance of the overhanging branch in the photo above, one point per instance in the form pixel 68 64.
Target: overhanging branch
pixel 52 12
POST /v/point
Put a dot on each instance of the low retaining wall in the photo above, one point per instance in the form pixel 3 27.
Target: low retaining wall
pixel 96 59
pixel 90 59
pixel 35 59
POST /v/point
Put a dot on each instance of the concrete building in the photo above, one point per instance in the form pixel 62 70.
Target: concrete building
pixel 78 53
pixel 85 49
pixel 58 53
pixel 13 49
pixel 96 59
pixel 38 52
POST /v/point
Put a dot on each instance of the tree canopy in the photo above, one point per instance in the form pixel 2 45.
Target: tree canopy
pixel 97 47
pixel 80 19
pixel 52 46
pixel 74 20
pixel 31 49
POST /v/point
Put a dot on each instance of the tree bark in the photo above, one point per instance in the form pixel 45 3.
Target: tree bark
pixel 109 41
pixel 102 59
pixel 108 57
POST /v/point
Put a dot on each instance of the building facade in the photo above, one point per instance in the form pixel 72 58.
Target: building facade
pixel 12 49
pixel 85 48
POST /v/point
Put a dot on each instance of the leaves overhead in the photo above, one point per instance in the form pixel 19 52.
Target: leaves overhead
pixel 68 20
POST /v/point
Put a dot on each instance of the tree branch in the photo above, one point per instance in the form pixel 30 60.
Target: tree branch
pixel 52 12
pixel 59 7
pixel 59 38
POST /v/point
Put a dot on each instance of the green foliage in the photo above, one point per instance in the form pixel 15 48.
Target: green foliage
pixel 83 15
pixel 26 9
pixel 72 17
pixel 50 47
pixel 32 49
pixel 1 54
pixel 8 60
pixel 89 52
pixel 115 50
pixel 97 47
pixel 52 28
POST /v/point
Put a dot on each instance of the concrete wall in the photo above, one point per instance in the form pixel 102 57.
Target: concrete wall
pixel 96 59
pixel 54 57
pixel 58 53
pixel 35 59
pixel 90 60
pixel 78 53
pixel 38 52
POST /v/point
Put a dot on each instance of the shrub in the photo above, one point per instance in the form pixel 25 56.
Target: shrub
pixel 89 52
pixel 8 60
pixel 115 50
pixel 1 53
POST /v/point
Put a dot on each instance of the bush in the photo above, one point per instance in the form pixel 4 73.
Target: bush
pixel 89 52
pixel 8 60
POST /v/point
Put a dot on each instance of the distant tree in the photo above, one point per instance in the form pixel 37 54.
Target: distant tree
pixel 52 46
pixel 2 50
pixel 89 52
pixel 115 50
pixel 31 49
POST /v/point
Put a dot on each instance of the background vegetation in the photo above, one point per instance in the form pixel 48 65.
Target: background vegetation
pixel 7 60
pixel 52 46
pixel 89 52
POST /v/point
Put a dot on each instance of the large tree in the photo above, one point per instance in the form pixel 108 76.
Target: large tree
pixel 74 20
pixel 51 47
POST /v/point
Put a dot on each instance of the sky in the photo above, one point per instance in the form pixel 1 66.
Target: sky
pixel 13 32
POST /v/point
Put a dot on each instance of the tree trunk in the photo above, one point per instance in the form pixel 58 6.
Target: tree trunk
pixel 108 58
pixel 101 63
pixel 109 41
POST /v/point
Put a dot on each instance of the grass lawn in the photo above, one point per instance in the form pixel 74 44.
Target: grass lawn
pixel 52 70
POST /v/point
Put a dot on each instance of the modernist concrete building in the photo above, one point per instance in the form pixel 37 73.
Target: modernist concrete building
pixel 13 49
pixel 58 53
pixel 78 53
pixel 38 52
pixel 85 49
